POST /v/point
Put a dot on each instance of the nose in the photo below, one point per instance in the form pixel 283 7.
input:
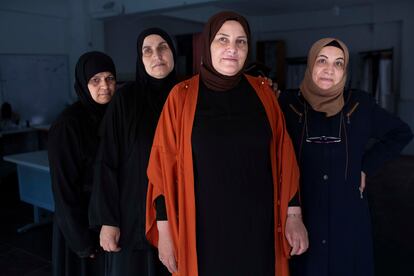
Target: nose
pixel 329 68
pixel 105 84
pixel 156 54
pixel 231 47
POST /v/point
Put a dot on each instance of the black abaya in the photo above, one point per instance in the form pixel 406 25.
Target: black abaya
pixel 121 181
pixel 233 183
pixel 72 145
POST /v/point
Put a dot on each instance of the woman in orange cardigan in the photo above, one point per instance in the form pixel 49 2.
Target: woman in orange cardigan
pixel 222 171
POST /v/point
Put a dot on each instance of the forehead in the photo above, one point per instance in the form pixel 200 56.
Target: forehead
pixel 102 74
pixel 331 52
pixel 152 40
pixel 232 27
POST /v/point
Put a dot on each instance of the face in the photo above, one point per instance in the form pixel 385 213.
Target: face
pixel 157 57
pixel 329 67
pixel 229 48
pixel 102 87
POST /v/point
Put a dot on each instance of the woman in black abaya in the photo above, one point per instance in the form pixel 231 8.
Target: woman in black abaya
pixel 73 140
pixel 118 207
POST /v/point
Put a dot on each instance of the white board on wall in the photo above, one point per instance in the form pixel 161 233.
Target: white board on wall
pixel 37 86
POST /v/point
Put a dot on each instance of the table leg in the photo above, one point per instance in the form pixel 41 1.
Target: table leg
pixel 40 217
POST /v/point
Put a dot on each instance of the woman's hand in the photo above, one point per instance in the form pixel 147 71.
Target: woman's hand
pixel 362 186
pixel 295 231
pixel 166 246
pixel 274 86
pixel 109 237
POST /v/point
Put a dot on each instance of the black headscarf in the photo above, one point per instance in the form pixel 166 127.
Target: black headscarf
pixel 210 77
pixel 156 90
pixel 90 64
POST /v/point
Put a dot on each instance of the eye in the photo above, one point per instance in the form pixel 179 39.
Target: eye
pixel 223 40
pixel 147 52
pixel 339 64
pixel 321 61
pixel 110 79
pixel 163 47
pixel 241 43
pixel 95 81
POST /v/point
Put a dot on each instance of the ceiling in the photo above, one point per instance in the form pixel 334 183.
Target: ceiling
pixel 272 7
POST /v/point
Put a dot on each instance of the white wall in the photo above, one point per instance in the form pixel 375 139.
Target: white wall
pixel 49 27
pixel 68 27
pixel 121 35
pixel 31 32
pixel 364 28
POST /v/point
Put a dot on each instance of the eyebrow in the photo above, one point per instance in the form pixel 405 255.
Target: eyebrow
pixel 222 34
pixel 149 46
pixel 226 35
pixel 327 57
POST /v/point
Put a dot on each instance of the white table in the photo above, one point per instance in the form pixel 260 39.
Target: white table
pixel 34 184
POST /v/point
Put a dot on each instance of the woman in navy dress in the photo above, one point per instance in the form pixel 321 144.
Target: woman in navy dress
pixel 330 128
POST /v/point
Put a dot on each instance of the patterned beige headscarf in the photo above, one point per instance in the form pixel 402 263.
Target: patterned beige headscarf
pixel 330 101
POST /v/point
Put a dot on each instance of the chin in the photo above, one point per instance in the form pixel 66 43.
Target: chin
pixel 230 72
pixel 159 76
pixel 325 86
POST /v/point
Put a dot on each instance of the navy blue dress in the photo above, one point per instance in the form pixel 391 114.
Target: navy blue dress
pixel 334 211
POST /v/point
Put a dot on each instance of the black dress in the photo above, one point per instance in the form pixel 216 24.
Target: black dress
pixel 121 181
pixel 335 214
pixel 233 183
pixel 72 146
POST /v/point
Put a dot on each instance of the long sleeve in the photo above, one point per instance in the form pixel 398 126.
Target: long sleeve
pixel 161 208
pixel 391 135
pixel 104 206
pixel 162 170
pixel 71 206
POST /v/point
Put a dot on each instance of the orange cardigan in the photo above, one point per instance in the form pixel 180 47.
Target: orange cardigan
pixel 170 173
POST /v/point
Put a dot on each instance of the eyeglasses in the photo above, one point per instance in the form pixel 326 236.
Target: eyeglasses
pixel 323 139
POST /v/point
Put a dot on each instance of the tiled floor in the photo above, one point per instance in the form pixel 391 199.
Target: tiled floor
pixel 391 194
pixel 21 254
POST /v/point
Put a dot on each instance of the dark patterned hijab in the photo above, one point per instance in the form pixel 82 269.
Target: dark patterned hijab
pixel 330 101
pixel 156 90
pixel 210 77
pixel 90 64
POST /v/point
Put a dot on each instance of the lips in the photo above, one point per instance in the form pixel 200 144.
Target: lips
pixel 230 59
pixel 158 65
pixel 326 79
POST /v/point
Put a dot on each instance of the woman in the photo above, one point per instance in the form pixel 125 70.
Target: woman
pixel 73 140
pixel 330 128
pixel 225 167
pixel 118 205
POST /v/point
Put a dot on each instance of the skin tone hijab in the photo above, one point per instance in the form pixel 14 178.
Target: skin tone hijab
pixel 329 100
pixel 90 64
pixel 210 77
